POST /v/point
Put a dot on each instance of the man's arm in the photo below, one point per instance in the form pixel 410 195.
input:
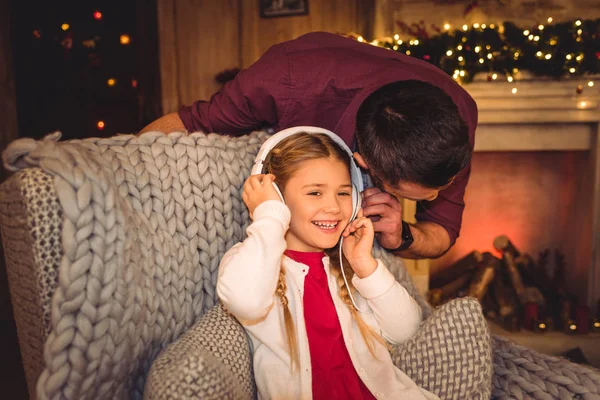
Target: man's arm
pixel 167 123
pixel 431 240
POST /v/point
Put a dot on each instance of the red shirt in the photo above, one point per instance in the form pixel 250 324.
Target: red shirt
pixel 333 374
pixel 321 79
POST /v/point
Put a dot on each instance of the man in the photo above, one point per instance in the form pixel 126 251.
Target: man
pixel 413 127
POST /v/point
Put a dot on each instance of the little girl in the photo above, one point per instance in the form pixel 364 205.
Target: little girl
pixel 285 285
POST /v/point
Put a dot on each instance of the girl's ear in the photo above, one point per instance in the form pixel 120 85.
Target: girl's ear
pixel 360 161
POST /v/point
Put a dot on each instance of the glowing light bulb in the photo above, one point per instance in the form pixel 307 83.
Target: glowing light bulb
pixel 408 52
pixel 542 326
pixel 568 56
pixel 477 49
pixel 539 54
pixel 578 23
pixel 396 36
pixel 591 84
pixel 476 25
pixel 550 20
pixel 481 61
pixel 97 15
pixel 579 31
pixel 126 39
pixel 360 39
pixel 572 327
pixel 465 27
pixel 461 58
pixel 494 76
pixel 65 27
pixel 572 70
pixel 548 56
pixel 447 27
pixel 459 47
pixel 100 125
pixel 510 79
pixel 483 26
pixel 449 53
pixel 541 27
pixel 489 56
pixel 111 82
pixel 525 32
pixel 462 73
pixel 514 90
pixel 536 38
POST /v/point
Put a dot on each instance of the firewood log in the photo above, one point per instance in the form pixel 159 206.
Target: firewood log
pixel 464 266
pixel 504 296
pixel 515 277
pixel 504 245
pixel 480 282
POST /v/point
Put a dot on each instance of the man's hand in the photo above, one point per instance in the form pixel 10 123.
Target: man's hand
pixel 386 213
pixel 257 189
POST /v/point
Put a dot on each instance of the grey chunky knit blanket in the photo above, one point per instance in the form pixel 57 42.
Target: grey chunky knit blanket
pixel 146 220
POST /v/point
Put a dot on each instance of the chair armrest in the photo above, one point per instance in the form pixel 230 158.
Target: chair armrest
pixel 451 353
pixel 212 360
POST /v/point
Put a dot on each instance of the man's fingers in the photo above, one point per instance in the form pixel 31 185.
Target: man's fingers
pixel 381 198
pixel 370 192
pixel 377 209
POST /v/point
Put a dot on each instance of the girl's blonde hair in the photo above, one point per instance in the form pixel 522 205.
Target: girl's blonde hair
pixel 283 161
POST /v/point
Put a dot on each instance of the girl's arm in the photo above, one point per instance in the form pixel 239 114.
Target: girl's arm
pixel 397 313
pixel 249 271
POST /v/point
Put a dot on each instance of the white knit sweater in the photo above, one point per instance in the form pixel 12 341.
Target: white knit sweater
pixel 248 276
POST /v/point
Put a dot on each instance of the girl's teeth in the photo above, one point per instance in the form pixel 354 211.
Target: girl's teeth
pixel 323 225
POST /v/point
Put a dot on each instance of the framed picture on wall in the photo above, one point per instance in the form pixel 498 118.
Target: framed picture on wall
pixel 282 8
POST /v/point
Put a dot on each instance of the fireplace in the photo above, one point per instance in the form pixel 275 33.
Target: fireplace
pixel 536 177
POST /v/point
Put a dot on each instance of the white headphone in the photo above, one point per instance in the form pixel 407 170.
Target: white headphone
pixel 355 174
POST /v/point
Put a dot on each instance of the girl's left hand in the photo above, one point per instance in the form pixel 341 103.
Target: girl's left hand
pixel 357 245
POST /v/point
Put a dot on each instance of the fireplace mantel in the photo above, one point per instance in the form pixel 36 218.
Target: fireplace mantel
pixel 546 116
pixel 540 116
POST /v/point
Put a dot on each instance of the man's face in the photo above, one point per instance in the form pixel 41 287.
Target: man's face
pixel 409 191
pixel 403 190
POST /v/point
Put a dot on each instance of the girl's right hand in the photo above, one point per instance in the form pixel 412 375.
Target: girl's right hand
pixel 257 189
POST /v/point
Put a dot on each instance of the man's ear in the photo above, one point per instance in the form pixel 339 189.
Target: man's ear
pixel 360 161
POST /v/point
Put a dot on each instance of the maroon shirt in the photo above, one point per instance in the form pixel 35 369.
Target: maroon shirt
pixel 333 374
pixel 321 79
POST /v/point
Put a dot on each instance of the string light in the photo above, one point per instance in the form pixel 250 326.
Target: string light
pixel 569 56
pixel 476 25
pixel 97 15
pixel 525 32
pixel 489 56
pixel 396 36
pixel 541 27
pixel 125 39
pixel 447 27
pixel 134 83
pixel 408 52
pixel 494 76
pixel 111 82
pixel 548 56
pixel 459 47
pixel 578 23
pixel 510 79
pixel 536 38
pixel 465 27
pixel 65 27
pixel 461 58
pixel 550 20
pixel 100 125
pixel 514 90
pixel 591 84
pixel 449 53
pixel 572 70
pixel 360 39
pixel 483 26
pixel 37 34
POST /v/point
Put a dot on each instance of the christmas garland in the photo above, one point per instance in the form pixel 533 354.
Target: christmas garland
pixel 550 50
